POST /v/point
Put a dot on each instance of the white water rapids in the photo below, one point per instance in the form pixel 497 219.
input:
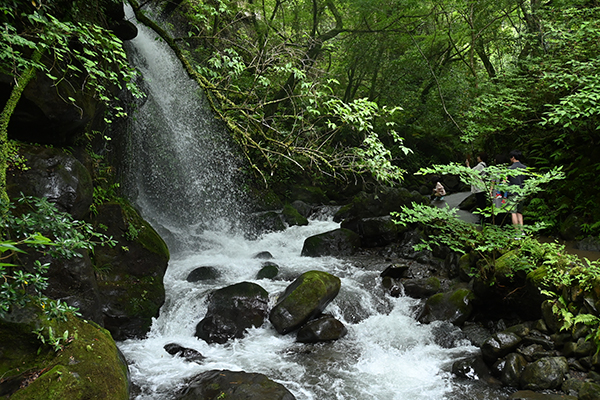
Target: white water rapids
pixel 180 180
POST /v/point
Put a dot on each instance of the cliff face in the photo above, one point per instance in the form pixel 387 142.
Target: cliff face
pixel 59 130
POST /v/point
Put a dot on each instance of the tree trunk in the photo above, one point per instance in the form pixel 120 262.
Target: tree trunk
pixel 7 112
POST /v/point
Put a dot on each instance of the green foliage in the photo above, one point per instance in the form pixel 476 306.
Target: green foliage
pixel 488 240
pixel 38 226
pixel 56 342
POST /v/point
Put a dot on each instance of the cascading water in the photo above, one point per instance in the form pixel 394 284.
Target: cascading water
pixel 181 180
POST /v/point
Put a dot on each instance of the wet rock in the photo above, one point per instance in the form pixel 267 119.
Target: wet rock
pixel 454 307
pixel 551 320
pixel 339 242
pixel 590 243
pixel 231 311
pixel 303 208
pixel 224 384
pixel 498 345
pixel 510 368
pixel 378 204
pixel 421 288
pixel 265 222
pixel 395 271
pixel 129 275
pixel 203 274
pixel 263 255
pixel 374 232
pixel 322 329
pixel 88 351
pixel 530 395
pixel 472 368
pixel 589 391
pixel 188 354
pixel 393 286
pixel 476 333
pixel 55 175
pixel 545 373
pixel 303 299
pixel 74 282
pixel 269 270
pixel 292 217
pixel 581 348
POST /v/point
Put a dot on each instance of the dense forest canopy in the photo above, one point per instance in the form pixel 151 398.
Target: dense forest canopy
pixel 462 77
pixel 341 88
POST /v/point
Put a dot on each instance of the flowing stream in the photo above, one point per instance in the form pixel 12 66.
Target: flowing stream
pixel 182 178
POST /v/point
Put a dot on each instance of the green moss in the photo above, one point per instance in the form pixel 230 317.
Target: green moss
pixel 88 366
pixel 147 236
pixel 293 217
pixel 537 276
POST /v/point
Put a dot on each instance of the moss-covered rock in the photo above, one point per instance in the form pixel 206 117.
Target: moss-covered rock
pixel 130 275
pixel 229 385
pixel 303 299
pixel 454 307
pixel 87 364
pixel 292 217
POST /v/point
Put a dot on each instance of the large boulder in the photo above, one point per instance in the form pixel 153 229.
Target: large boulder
pixel 230 385
pixel 304 299
pixel 454 307
pixel 510 368
pixel 56 175
pixel 74 282
pixel 339 242
pixel 231 311
pixel 292 216
pixel 374 232
pixel 130 274
pixel 79 360
pixel 545 373
pixel 378 204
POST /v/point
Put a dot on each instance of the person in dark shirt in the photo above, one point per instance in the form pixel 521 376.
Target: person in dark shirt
pixel 517 180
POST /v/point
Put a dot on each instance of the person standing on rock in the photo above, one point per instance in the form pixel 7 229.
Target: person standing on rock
pixel 480 189
pixel 516 180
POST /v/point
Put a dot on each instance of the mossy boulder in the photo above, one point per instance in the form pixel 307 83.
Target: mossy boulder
pixel 87 365
pixel 231 311
pixel 292 217
pixel 130 274
pixel 230 385
pixel 454 307
pixel 339 242
pixel 545 373
pixel 304 299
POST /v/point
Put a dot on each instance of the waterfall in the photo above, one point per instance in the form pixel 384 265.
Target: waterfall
pixel 183 180
pixel 181 170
